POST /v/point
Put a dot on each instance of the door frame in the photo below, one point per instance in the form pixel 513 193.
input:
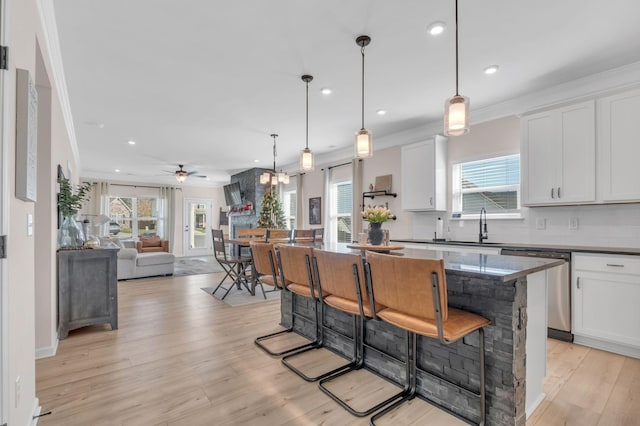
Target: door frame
pixel 187 251
pixel 5 108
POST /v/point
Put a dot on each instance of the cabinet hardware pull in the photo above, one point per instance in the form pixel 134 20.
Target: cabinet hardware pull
pixel 559 192
pixel 615 265
pixel 578 282
pixel 552 189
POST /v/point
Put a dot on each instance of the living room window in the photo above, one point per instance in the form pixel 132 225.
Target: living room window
pixel 290 206
pixel 341 203
pixel 492 183
pixel 134 217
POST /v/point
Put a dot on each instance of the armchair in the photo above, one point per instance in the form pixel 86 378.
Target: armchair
pixel 152 244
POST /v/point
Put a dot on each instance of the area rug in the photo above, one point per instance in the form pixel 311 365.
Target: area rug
pixel 195 265
pixel 243 297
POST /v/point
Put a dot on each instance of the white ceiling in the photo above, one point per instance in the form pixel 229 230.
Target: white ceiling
pixel 205 82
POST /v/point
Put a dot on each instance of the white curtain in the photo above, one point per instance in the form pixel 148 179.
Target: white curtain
pixel 168 197
pixel 97 209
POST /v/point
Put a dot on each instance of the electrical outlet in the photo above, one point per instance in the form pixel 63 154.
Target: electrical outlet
pixel 573 223
pixel 541 223
pixel 18 388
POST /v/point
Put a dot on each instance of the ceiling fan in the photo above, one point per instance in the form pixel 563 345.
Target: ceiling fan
pixel 181 174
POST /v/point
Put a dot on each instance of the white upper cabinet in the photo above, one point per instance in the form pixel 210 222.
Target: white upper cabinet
pixel 424 175
pixel 619 147
pixel 558 156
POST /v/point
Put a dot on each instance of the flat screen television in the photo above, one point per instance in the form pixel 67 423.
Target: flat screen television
pixel 232 194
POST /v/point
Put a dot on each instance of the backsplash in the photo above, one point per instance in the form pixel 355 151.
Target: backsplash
pixel 615 225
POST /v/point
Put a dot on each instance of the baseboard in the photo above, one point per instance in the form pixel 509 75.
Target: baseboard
pixel 535 404
pixel 48 351
pixel 608 346
pixel 36 412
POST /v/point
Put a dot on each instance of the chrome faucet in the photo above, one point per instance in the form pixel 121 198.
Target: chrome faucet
pixel 483 235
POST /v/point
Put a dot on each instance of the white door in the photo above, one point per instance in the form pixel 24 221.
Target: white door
pixel 197 227
pixel 4 205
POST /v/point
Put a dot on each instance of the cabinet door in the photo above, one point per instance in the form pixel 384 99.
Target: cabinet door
pixel 540 158
pixel 424 175
pixel 418 177
pixel 558 149
pixel 605 307
pixel 618 147
pixel 577 183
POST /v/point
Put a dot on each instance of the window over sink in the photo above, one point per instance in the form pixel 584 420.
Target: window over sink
pixel 492 184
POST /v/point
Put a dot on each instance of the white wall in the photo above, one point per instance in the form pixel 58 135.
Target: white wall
pixel 615 225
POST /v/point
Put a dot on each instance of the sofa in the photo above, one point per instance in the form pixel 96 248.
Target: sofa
pixel 132 264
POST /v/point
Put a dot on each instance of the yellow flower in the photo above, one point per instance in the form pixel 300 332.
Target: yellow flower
pixel 377 214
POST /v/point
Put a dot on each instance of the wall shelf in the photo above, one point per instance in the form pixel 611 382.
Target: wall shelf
pixel 374 194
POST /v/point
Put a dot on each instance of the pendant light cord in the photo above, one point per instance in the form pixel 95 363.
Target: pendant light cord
pixel 274 152
pixel 362 51
pixel 307 135
pixel 457 94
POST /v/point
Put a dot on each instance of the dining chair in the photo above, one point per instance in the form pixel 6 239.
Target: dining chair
pixel 234 266
pixel 341 286
pixel 278 235
pixel 304 236
pixel 319 235
pixel 411 294
pixel 297 276
pixel 264 266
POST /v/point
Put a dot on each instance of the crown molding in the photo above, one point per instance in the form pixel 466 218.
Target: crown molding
pixel 54 54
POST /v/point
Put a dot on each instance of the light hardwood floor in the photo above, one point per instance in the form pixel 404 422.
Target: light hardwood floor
pixel 182 357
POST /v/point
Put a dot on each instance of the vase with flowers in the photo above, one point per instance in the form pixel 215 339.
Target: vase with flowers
pixel 70 234
pixel 376 216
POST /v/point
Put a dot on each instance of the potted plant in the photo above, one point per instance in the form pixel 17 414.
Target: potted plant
pixel 376 216
pixel 70 234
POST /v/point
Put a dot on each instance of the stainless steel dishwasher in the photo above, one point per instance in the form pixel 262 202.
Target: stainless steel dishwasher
pixel 558 291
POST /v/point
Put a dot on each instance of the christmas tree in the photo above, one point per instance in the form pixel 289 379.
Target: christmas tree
pixel 271 213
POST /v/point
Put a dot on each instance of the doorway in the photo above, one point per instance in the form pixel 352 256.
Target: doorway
pixel 197 227
pixel 4 226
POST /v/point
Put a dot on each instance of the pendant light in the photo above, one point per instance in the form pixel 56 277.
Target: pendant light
pixel 364 140
pixel 456 110
pixel 273 177
pixel 306 157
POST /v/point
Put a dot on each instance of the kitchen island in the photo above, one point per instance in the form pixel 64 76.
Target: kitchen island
pixel 509 291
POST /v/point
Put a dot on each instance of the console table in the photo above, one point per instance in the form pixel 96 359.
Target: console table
pixel 87 289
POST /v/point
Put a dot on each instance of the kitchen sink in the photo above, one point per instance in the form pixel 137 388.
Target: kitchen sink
pixel 486 243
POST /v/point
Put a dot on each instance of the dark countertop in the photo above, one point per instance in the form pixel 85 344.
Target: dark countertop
pixel 544 247
pixel 475 265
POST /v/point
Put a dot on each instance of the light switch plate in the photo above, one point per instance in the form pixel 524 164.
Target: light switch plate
pixel 573 223
pixel 541 223
pixel 29 224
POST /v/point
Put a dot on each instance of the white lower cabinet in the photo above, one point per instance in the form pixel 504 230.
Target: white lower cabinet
pixel 606 302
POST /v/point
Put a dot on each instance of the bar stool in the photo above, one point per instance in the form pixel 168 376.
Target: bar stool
pixel 295 269
pixel 264 258
pixel 341 285
pixel 412 295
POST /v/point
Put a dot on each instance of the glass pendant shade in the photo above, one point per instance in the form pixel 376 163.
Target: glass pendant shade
pixel 364 144
pixel 265 178
pixel 306 160
pixel 181 177
pixel 456 117
pixel 286 179
pixel 274 180
pixel 281 177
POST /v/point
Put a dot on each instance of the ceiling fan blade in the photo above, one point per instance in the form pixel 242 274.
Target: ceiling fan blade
pixel 200 176
pixel 191 173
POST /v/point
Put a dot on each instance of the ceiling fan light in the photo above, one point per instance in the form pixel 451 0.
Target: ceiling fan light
pixel 306 160
pixel 364 144
pixel 456 117
pixel 181 176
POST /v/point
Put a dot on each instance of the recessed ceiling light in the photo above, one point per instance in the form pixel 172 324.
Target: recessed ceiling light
pixel 131 142
pixel 491 69
pixel 326 91
pixel 436 28
pixel 100 125
pixel 256 161
pixel 381 112
pixel 117 170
